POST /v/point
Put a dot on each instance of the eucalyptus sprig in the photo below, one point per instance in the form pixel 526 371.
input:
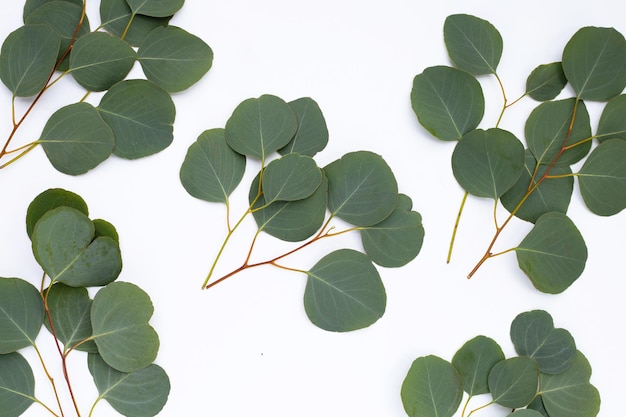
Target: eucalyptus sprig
pixel 533 182
pixel 135 117
pixel 111 330
pixel 290 197
pixel 549 378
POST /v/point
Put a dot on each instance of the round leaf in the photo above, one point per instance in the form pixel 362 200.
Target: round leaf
pixel 290 178
pixel 119 317
pixel 21 315
pixel 51 199
pixel 27 59
pixel 612 124
pixel 17 385
pixel 448 102
pixel 155 8
pixel 594 62
pixel 513 382
pixel 474 361
pixel 344 292
pixel 312 134
pixel 602 178
pixel 141 116
pixel 553 254
pixel 431 388
pixel 546 82
pixel 173 58
pixel 474 44
pixel 76 139
pixel 115 15
pixel 362 189
pixel 486 163
pixel 32 5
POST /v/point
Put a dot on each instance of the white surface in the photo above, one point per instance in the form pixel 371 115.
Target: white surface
pixel 246 346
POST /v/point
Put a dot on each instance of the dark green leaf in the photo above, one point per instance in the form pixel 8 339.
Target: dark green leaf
pixel 21 314
pixel 32 5
pixel 525 413
pixel 537 405
pixel 612 124
pixel 51 199
pixel 155 8
pixel 17 385
pixel 141 116
pixel 513 382
pixel 344 292
pixel 115 15
pixel 474 44
pixel 104 228
pixel 546 82
pixel 312 134
pixel 474 361
pixel 290 178
pixel 553 254
pixel 448 102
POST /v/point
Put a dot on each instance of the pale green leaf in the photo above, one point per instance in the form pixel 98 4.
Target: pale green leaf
pixel 21 314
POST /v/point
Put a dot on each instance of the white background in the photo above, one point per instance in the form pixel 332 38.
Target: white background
pixel 246 347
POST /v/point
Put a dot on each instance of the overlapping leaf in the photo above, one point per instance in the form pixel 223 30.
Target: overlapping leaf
pixel 155 8
pixel 32 5
pixel 546 81
pixel 17 385
pixel 51 199
pixel 612 124
pixel 474 44
pixel 474 360
pixel 290 178
pixel 21 315
pixel 312 134
pixel 115 16
pixel 513 382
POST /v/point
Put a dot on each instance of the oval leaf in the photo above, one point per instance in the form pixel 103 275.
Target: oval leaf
pixel 474 361
pixel 474 44
pixel 115 15
pixel 155 8
pixel 546 82
pixel 612 124
pixel 344 292
pixel 312 134
pixel 21 314
pixel 32 5
pixel 513 382
pixel 51 199
pixel 17 385
pixel 290 178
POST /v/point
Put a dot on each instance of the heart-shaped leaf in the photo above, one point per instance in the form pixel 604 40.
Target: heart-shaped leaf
pixel 546 82
pixel 115 16
pixel 312 134
pixel 290 178
pixel 513 382
pixel 17 385
pixel 474 44
pixel 474 361
pixel 21 314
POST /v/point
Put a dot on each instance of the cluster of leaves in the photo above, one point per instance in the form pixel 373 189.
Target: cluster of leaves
pixel 290 197
pixel 549 378
pixel 113 328
pixel 134 117
pixel 534 184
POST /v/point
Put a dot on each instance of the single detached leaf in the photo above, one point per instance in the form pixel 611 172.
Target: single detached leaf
pixel 570 394
pixel 533 334
pixel 513 382
pixel 173 58
pixel 398 239
pixel 290 178
pixel 548 132
pixel 65 245
pixel 76 139
pixel 27 59
pixel 344 292
pixel 155 8
pixel 448 102
pixel 212 170
pixel 362 189
pixel 21 315
pixel 119 317
pixel 260 126
pixel 17 385
pixel 602 178
pixel 431 388
pixel 546 82
pixel 612 124
pixel 474 44
pixel 51 199
pixel 312 134
pixel 32 5
pixel 141 393
pixel 594 62
pixel 474 361
pixel 141 116
pixel 115 16
pixel 553 254
pixel 486 163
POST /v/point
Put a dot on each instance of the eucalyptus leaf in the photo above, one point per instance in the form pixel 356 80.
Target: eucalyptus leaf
pixel 537 405
pixel 51 199
pixel 290 178
pixel 525 413
pixel 312 134
pixel 474 44
pixel 513 382
pixel 344 292
pixel 155 8
pixel 474 360
pixel 105 229
pixel 612 124
pixel 32 5
pixel 448 102
pixel 115 16
pixel 21 315
pixel 17 385
pixel 546 81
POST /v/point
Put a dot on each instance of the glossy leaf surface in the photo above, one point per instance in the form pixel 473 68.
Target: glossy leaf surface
pixel 344 292
pixel 546 81
pixel 312 134
pixel 474 44
pixel 17 385
pixel 513 382
pixel 155 8
pixel 290 178
pixel 474 360
pixel 612 124
pixel 21 314
pixel 51 199
pixel 115 15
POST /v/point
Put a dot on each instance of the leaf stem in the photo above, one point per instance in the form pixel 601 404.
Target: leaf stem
pixel 456 227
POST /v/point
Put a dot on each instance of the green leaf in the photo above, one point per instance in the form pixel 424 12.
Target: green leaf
pixel 612 124
pixel 547 129
pixel 474 361
pixel 553 194
pixel 534 335
pixel 398 239
pixel 104 228
pixel 344 292
pixel 602 178
pixel 546 81
pixel 70 310
pixel 486 163
pixel 65 245
pixel 312 134
pixel 51 199
pixel 173 58
pixel 537 405
pixel 290 178
pixel 119 317
pixel 99 60
pixel 474 44
pixel 362 189
pixel 17 385
pixel 141 393
pixel 260 126
pixel 513 382
pixel 569 394
pixel 525 413
pixel 155 8
pixel 212 170
pixel 115 16
pixel 141 116
pixel 553 254
pixel 27 59
pixel 32 5
pixel 448 102
pixel 21 314
pixel 594 62
pixel 76 139
pixel 431 388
